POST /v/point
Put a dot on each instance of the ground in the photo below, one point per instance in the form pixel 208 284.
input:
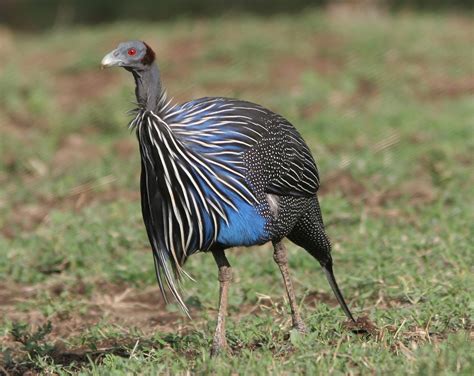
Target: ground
pixel 386 104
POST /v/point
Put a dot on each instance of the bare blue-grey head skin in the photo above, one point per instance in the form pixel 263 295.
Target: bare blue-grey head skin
pixel 138 58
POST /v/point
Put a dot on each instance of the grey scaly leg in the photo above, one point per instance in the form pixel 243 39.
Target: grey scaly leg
pixel 280 257
pixel 219 342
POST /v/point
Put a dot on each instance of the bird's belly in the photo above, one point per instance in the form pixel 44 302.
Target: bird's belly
pixel 245 227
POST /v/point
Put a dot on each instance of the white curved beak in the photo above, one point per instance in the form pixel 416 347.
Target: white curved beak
pixel 110 60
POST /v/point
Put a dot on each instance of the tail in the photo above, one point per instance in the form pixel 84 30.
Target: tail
pixel 327 267
pixel 162 269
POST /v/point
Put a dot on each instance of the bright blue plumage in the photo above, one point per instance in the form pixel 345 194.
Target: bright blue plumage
pixel 246 227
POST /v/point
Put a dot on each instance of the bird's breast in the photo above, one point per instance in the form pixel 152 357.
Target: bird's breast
pixel 245 226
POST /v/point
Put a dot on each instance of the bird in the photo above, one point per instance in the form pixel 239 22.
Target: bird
pixel 218 173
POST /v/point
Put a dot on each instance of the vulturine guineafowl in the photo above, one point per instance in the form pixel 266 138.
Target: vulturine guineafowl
pixel 218 173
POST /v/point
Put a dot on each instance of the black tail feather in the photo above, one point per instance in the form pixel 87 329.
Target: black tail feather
pixel 335 288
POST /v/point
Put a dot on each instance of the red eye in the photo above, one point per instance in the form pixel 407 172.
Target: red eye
pixel 132 51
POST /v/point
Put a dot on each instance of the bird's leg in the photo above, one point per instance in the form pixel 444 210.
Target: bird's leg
pixel 280 257
pixel 219 342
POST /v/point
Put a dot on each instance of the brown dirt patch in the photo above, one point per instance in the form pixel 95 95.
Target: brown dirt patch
pixel 311 110
pixel 11 294
pixel 19 122
pixel 74 149
pixel 144 309
pixel 27 217
pixel 343 11
pixel 6 43
pixel 125 147
pixel 115 303
pixel 366 88
pixel 313 298
pixel 449 87
pixel 72 90
pixel 181 55
pixel 418 192
pixel 288 70
pixel 184 50
pixel 342 181
pixel 362 325
pixel 127 307
pixel 46 61
pixel 465 159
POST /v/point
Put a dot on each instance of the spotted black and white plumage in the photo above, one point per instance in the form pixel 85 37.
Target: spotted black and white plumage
pixel 219 173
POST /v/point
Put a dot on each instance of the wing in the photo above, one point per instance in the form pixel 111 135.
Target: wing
pixel 297 174
pixel 250 140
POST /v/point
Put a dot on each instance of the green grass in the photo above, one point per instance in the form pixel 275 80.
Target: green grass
pixel 386 105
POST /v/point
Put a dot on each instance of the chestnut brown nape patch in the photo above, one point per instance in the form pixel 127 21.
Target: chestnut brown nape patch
pixel 149 57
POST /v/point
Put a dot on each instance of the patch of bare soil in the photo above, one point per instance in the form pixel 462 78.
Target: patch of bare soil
pixel 115 303
pixel 359 98
pixel 465 159
pixel 451 88
pixel 127 307
pixel 287 70
pixel 45 61
pixel 19 362
pixel 72 90
pixel 28 217
pixel 342 181
pixel 17 123
pixel 25 217
pixel 278 307
pixel 362 325
pixel 6 43
pixel 343 11
pixel 419 192
pixel 365 89
pixel 143 309
pixel 74 149
pixel 184 50
pixel 181 55
pixel 314 298
pixel 311 110
pixel 125 147
pixel 284 72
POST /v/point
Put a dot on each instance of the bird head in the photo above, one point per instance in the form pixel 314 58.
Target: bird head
pixel 133 55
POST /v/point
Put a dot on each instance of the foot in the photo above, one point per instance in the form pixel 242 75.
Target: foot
pixel 219 346
pixel 300 326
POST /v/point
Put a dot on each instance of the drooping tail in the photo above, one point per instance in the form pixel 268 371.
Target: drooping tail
pixel 335 288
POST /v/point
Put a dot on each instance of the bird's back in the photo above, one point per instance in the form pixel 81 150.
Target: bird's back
pixel 267 147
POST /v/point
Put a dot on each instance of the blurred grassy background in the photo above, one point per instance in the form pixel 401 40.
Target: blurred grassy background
pixel 45 14
pixel 385 101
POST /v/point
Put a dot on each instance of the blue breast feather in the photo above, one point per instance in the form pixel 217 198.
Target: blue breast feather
pixel 246 227
pixel 216 129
